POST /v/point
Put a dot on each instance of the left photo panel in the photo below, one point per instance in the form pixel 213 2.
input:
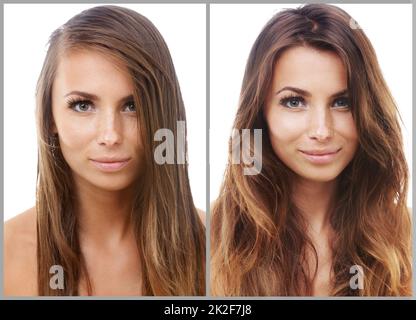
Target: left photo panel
pixel 104 150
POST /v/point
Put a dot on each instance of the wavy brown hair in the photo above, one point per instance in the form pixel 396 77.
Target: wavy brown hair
pixel 170 236
pixel 259 242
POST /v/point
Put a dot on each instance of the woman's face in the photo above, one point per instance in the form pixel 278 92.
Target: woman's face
pixel 95 118
pixel 308 114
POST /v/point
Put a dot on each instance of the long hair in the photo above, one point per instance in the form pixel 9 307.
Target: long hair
pixel 170 236
pixel 259 242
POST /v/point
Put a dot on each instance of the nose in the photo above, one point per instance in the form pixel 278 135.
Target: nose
pixel 109 128
pixel 320 124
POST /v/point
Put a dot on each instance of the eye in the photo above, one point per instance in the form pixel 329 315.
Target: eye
pixel 80 105
pixel 292 102
pixel 129 107
pixel 342 102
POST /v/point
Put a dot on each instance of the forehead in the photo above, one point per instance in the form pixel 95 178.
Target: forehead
pixel 310 69
pixel 91 71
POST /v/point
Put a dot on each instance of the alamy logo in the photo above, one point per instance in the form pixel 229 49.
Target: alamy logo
pixel 56 282
pixel 241 150
pixel 354 24
pixel 357 280
pixel 165 152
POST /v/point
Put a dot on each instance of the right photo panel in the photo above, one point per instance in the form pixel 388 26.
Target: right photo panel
pixel 310 150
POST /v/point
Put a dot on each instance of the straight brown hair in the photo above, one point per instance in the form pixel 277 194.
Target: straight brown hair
pixel 170 236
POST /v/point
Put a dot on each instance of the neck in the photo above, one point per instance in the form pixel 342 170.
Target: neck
pixel 314 199
pixel 104 215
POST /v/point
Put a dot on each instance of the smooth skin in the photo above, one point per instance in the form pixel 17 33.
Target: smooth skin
pixel 103 124
pixel 308 110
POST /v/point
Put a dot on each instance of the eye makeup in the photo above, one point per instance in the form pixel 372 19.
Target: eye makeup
pixel 84 105
pixel 294 101
pixel 79 104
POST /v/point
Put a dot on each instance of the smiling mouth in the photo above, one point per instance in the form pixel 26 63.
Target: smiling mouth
pixel 110 165
pixel 320 153
pixel 320 157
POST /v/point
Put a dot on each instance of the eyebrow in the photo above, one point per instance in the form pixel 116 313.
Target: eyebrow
pixel 91 96
pixel 308 94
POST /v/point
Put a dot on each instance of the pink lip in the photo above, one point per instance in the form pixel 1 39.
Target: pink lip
pixel 109 165
pixel 320 156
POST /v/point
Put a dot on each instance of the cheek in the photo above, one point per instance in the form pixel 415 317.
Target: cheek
pixel 131 134
pixel 345 127
pixel 284 127
pixel 74 134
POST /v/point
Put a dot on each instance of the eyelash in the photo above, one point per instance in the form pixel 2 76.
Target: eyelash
pixel 74 102
pixel 283 101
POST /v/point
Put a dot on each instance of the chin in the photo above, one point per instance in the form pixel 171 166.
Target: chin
pixel 113 188
pixel 318 176
pixel 112 184
pixel 321 179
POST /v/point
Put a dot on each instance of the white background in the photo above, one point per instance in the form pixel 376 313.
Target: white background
pixel 27 29
pixel 234 29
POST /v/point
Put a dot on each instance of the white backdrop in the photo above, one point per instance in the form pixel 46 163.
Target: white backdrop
pixel 234 27
pixel 233 31
pixel 27 28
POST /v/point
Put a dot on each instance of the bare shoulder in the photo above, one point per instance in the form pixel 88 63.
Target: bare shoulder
pixel 202 216
pixel 20 263
pixel 24 222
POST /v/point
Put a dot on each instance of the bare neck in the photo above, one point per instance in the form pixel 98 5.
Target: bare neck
pixel 104 215
pixel 314 199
